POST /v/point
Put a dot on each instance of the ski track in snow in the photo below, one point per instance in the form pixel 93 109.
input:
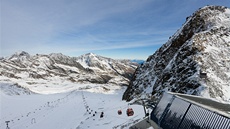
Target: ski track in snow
pixel 67 111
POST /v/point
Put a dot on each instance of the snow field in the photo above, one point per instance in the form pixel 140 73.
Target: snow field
pixel 72 110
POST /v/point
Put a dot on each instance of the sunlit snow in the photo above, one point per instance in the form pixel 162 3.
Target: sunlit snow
pixel 77 109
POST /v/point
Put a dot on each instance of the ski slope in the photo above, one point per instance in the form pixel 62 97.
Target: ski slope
pixel 77 109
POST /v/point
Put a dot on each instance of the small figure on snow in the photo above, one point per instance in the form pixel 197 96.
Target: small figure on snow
pixel 102 114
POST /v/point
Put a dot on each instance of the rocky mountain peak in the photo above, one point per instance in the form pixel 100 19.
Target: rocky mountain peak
pixel 90 54
pixel 19 55
pixel 200 47
pixel 93 60
pixel 57 55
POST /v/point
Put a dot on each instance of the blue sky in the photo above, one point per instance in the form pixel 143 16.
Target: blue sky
pixel 120 29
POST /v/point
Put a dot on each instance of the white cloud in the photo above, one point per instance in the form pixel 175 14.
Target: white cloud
pixel 27 24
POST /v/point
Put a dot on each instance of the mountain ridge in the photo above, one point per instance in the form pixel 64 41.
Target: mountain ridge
pixel 44 69
pixel 177 66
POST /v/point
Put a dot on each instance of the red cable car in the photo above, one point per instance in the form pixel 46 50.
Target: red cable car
pixel 129 112
pixel 119 112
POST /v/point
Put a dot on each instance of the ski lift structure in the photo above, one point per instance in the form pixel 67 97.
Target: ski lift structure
pixel 203 74
pixel 146 103
pixel 146 122
pixel 7 124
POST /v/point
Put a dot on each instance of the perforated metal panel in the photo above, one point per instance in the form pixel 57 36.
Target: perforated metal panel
pixel 176 113
pixel 200 118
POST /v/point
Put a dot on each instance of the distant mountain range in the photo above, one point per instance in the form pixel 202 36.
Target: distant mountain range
pixel 195 60
pixel 58 69
pixel 138 61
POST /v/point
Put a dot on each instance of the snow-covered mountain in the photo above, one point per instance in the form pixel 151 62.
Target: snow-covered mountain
pixel 195 60
pixel 56 69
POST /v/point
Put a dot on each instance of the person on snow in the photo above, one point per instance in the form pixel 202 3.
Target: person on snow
pixel 102 114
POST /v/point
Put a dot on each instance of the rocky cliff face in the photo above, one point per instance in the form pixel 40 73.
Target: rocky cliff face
pixel 195 60
pixel 57 68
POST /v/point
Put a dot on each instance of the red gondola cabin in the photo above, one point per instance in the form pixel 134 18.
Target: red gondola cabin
pixel 130 112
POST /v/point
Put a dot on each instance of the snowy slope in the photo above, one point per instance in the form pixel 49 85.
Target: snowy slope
pixel 201 47
pixel 78 109
pixel 57 70
pixel 14 89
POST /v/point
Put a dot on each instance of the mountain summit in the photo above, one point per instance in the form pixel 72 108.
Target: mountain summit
pixel 195 60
